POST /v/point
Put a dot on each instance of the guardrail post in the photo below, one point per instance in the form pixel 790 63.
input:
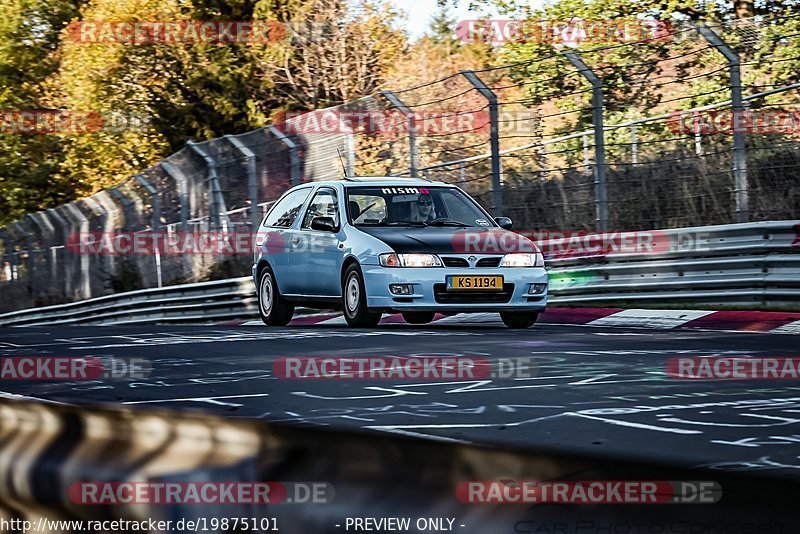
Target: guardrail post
pixel 294 158
pixel 601 187
pixel 737 107
pixel 252 185
pixel 494 139
pixel 412 129
pixel 216 207
pixel 156 220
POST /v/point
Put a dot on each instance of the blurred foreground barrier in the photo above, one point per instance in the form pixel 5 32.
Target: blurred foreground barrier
pixel 50 454
pixel 753 264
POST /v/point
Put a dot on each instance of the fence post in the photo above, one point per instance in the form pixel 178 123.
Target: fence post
pixel 18 235
pixel 587 160
pixel 494 139
pixel 634 145
pixel 183 191
pixel 85 286
pixel 217 210
pixel 737 107
pixel 155 224
pixel 126 204
pixel 252 185
pixel 294 159
pixel 601 187
pixel 350 153
pixel 6 258
pixel 46 231
pixel 412 129
pixel 62 224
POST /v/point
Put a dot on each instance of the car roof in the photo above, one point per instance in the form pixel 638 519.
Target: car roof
pixel 382 181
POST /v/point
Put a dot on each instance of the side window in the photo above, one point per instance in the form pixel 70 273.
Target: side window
pixel 283 214
pixel 322 205
pixel 367 208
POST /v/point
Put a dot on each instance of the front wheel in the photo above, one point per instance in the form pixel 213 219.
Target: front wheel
pixel 418 317
pixel 519 319
pixel 354 300
pixel 272 308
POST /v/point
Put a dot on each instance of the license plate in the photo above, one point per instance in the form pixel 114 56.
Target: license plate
pixel 489 283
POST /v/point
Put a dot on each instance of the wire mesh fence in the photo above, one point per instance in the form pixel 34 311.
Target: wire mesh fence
pixel 626 136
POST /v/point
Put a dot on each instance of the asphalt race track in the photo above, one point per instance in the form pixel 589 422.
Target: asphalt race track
pixel 597 390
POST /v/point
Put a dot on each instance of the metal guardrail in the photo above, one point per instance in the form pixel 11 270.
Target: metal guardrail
pixel 737 264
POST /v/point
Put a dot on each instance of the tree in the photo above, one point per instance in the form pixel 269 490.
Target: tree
pixel 333 52
pixel 29 37
pixel 442 30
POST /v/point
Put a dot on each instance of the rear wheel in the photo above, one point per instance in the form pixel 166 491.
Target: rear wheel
pixel 272 308
pixel 418 317
pixel 354 300
pixel 519 319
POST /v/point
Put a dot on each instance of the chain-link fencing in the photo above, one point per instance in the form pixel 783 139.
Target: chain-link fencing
pixel 700 126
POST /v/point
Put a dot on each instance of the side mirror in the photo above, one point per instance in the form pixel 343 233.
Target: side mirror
pixel 504 222
pixel 324 224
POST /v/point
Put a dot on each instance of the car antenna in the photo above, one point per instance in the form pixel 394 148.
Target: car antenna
pixel 344 167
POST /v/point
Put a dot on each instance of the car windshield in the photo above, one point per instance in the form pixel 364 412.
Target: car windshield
pixel 414 206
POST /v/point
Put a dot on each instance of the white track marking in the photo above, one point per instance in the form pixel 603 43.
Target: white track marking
pixel 790 328
pixel 651 318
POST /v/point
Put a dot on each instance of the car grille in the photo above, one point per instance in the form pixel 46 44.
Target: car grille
pixel 488 262
pixel 455 262
pixel 442 296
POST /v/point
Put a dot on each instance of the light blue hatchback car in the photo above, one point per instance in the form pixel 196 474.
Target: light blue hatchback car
pixel 378 245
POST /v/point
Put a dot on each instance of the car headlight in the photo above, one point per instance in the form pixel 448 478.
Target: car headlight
pixel 522 260
pixel 409 260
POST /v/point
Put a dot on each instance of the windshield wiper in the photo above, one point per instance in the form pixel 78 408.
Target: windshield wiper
pixel 448 222
pixel 405 223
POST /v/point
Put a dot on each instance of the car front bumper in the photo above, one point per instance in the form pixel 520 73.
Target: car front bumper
pixel 430 293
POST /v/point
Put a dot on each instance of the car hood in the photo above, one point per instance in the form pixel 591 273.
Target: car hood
pixel 449 240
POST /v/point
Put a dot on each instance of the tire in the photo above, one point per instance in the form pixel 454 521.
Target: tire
pixel 354 300
pixel 519 319
pixel 274 311
pixel 418 317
